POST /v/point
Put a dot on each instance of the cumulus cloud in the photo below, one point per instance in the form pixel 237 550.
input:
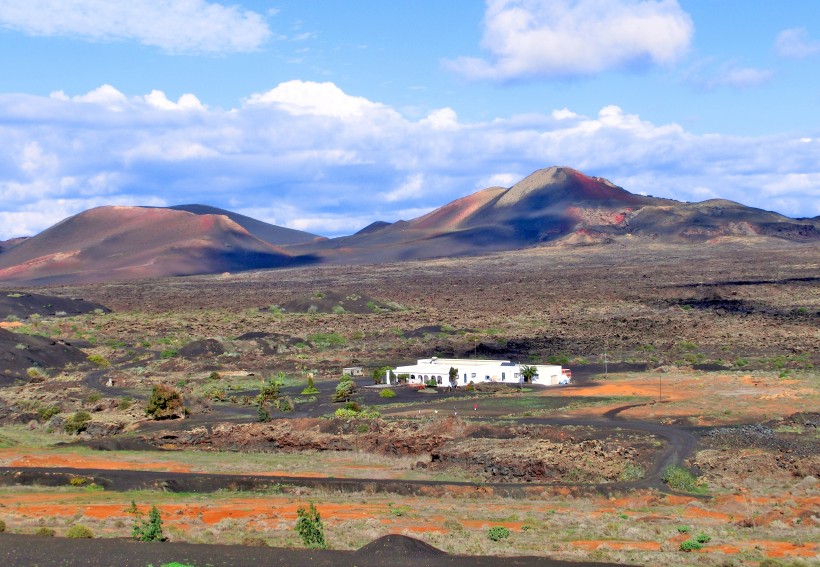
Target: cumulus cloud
pixel 337 162
pixel 565 38
pixel 796 43
pixel 176 26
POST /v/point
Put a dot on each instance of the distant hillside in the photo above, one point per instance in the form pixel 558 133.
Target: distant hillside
pixel 118 243
pixel 270 233
pixel 10 243
pixel 557 206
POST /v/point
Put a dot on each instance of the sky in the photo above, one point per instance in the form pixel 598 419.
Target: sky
pixel 327 115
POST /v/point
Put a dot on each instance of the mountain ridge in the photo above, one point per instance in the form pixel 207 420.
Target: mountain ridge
pixel 555 206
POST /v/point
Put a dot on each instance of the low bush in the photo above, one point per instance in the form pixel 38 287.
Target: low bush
pixel 164 402
pixel 690 545
pixel 683 529
pixel 2 526
pixel 77 423
pixel 703 538
pixel 79 531
pixel 387 393
pixel 99 361
pixel 311 388
pixel 44 532
pixel 48 412
pixel 678 478
pixel 497 533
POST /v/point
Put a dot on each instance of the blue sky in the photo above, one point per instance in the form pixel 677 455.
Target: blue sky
pixel 325 115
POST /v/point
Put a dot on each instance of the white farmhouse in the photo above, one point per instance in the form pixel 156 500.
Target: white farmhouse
pixel 476 370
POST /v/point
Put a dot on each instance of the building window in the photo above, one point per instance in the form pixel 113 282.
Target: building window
pixel 473 375
pixel 503 376
pixel 438 379
pixel 465 377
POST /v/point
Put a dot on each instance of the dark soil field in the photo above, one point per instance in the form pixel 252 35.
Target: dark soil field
pixel 699 360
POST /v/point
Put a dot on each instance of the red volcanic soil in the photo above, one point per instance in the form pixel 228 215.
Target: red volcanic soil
pixel 114 243
pixel 452 215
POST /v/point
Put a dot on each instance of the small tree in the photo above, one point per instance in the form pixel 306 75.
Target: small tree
pixel 344 389
pixel 147 530
pixel 378 375
pixel 453 376
pixel 309 527
pixel 165 402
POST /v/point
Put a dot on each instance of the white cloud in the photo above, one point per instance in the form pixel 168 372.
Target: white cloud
pixel 334 165
pixel 796 43
pixel 548 38
pixel 709 75
pixel 319 99
pixel 176 26
pixel 412 187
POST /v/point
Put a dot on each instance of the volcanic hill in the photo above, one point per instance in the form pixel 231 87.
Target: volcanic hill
pixel 557 205
pixel 120 243
pixel 553 206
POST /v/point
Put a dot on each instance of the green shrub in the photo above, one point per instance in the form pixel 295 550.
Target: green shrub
pixel 35 373
pixel 355 413
pixel 93 398
pixel 690 545
pixel 309 527
pixel 44 532
pixel 387 393
pixel 262 413
pixel 683 529
pixel 311 388
pixel 77 423
pixel 79 531
pixel 345 413
pixel 327 340
pixel 344 389
pixel 431 383
pixel 99 361
pixel 2 526
pixel 497 533
pixel 168 353
pixel 124 403
pixel 703 538
pixel 678 478
pixel 164 402
pixel 48 412
pixel 150 529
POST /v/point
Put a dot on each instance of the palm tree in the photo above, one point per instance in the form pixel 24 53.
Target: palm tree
pixel 529 372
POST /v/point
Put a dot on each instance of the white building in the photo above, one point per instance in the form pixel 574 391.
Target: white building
pixel 476 370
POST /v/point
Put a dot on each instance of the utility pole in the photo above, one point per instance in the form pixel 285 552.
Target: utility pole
pixel 660 389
